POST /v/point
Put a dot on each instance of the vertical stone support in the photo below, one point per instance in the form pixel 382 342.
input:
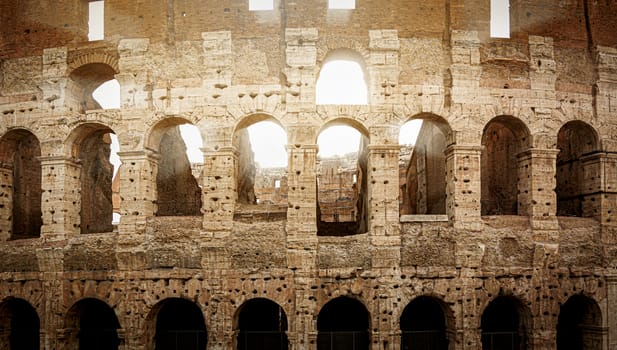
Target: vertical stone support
pixel 542 65
pixel 610 312
pixel 384 47
pixel 54 81
pixel 6 201
pixel 218 182
pixel 599 186
pixel 61 197
pixel 463 186
pixel 137 189
pixel 383 213
pixel 302 208
pixel 536 186
pixel 301 71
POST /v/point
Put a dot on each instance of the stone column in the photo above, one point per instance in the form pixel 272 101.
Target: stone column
pixel 536 185
pixel 6 201
pixel 611 312
pixel 61 198
pixel 463 186
pixel 138 193
pixel 383 212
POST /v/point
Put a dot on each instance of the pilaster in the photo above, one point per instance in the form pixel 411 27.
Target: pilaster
pixel 463 186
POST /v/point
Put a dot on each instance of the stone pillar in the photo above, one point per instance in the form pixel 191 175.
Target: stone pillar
pixel 383 213
pixel 301 70
pixel 611 312
pixel 61 198
pixel 138 193
pixel 6 201
pixel 542 65
pixel 536 186
pixel 384 46
pixel 463 186
pixel 302 207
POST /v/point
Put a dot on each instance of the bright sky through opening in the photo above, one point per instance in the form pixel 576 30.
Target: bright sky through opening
pixel 338 140
pixel 341 83
pixel 500 18
pixel 261 5
pixel 341 4
pixel 409 132
pixel 96 20
pixel 268 141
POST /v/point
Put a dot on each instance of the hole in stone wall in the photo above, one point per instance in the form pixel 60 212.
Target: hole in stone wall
pixel 574 140
pixel 342 80
pixel 500 19
pixel 261 5
pixel 92 325
pixel 88 78
pixel 503 139
pixel 343 323
pixel 504 324
pixel 179 166
pixel 262 164
pixel 96 20
pixel 341 197
pixel 180 324
pixel 262 324
pixel 579 320
pixel 20 185
pixel 341 4
pixel 422 166
pixel 423 325
pixel 19 325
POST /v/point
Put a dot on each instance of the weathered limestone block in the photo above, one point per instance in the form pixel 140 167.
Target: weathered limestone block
pixel 537 197
pixel 463 186
pixel 61 197
pixel 542 63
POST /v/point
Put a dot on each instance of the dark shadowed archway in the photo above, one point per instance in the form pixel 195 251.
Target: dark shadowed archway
pixel 505 324
pixel 180 325
pixel 19 325
pixel 579 325
pixel 93 325
pixel 423 325
pixel 343 324
pixel 262 324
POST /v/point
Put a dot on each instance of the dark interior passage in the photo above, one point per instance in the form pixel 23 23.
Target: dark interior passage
pixel 423 325
pixel 19 325
pixel 503 327
pixel 579 325
pixel 21 182
pixel 343 324
pixel 96 325
pixel 262 325
pixel 180 325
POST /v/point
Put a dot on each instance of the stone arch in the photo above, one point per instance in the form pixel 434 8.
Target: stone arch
pixel 505 324
pixel 503 139
pixel 342 187
pixel 577 142
pixel 346 55
pixel 579 325
pixel 92 324
pixel 20 185
pixel 261 324
pixel 176 321
pixel 343 322
pixel 84 79
pixel 90 144
pixel 178 192
pixel 253 184
pixel 427 323
pixel 423 178
pixel 19 325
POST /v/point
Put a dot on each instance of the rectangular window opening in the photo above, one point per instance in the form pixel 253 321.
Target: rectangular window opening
pixel 96 20
pixel 261 5
pixel 500 18
pixel 277 183
pixel 341 4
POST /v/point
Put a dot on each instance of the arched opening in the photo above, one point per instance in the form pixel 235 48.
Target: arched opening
pixel 342 79
pixel 262 324
pixel 180 325
pixel 107 95
pixel 422 166
pixel 505 325
pixel 342 181
pixel 84 80
pixel 92 325
pixel 423 325
pixel 343 323
pixel 575 140
pixel 262 162
pixel 179 165
pixel 504 138
pixel 19 325
pixel 579 325
pixel 92 146
pixel 20 185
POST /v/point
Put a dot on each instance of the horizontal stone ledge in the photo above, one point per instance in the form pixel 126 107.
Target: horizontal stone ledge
pixel 424 218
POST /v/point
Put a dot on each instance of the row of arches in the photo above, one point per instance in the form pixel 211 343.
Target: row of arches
pixel 343 323
pixel 341 180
